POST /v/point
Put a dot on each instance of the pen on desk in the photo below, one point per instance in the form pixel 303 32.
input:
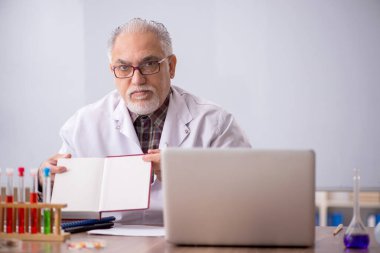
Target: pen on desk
pixel 89 227
pixel 34 228
pixel 46 198
pixel 338 229
pixel 88 222
pixel 9 199
pixel 21 199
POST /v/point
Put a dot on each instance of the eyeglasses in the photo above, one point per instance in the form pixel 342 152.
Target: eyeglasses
pixel 146 68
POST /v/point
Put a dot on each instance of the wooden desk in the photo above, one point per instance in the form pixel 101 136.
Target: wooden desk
pixel 324 242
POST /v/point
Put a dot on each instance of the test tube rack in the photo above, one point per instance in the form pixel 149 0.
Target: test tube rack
pixel 57 233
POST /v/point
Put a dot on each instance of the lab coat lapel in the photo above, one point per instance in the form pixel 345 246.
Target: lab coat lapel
pixel 124 123
pixel 176 127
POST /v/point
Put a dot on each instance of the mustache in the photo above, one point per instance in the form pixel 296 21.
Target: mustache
pixel 141 88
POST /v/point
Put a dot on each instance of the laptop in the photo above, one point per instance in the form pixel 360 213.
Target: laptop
pixel 239 197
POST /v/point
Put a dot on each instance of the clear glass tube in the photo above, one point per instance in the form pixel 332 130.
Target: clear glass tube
pixel 46 198
pixel 34 176
pixel 46 192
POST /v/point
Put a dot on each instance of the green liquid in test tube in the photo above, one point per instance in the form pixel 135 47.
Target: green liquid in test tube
pixel 47 219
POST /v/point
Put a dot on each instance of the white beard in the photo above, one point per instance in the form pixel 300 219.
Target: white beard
pixel 143 107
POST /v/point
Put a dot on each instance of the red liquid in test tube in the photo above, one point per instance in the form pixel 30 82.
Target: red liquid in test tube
pixel 21 199
pixel 9 199
pixel 34 199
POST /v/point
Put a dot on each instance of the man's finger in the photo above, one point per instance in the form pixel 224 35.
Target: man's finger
pixel 60 169
pixel 66 156
pixel 51 162
pixel 152 158
pixel 57 169
pixel 153 151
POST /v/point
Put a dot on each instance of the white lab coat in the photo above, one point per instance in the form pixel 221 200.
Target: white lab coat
pixel 105 129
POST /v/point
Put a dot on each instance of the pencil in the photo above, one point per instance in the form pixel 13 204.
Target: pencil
pixel 338 229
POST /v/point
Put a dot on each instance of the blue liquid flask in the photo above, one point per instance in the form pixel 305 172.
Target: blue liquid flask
pixel 356 236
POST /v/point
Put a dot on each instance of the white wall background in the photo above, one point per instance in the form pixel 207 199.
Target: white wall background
pixel 296 74
pixel 41 76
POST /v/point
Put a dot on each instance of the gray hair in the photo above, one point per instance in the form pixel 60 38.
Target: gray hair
pixel 138 25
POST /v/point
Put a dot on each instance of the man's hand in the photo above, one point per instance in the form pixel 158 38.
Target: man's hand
pixel 154 157
pixel 54 169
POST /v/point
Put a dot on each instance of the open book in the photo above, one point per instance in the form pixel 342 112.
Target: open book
pixel 95 185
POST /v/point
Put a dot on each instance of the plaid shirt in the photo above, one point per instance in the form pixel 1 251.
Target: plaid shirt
pixel 149 127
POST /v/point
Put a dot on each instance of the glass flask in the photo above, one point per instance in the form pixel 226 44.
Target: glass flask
pixel 356 235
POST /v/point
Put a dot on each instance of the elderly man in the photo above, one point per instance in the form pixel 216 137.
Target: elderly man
pixel 146 113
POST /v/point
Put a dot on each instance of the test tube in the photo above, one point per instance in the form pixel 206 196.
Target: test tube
pixel 9 199
pixel 34 229
pixel 21 199
pixel 46 198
